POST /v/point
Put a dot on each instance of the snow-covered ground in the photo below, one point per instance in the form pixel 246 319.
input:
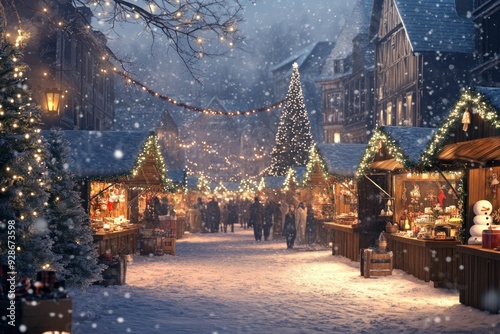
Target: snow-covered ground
pixel 228 283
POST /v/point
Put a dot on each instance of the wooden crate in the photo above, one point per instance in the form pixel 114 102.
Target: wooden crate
pixel 46 315
pixel 115 273
pixel 168 245
pixel 377 264
pixel 149 245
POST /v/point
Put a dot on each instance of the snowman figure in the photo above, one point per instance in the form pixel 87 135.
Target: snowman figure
pixel 482 220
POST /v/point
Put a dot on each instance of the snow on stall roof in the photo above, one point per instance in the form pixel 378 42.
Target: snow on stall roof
pixel 300 172
pixel 231 186
pixel 104 154
pixel 411 140
pixel 434 25
pixel 274 182
pixel 192 182
pixel 177 176
pixel 492 94
pixel 342 159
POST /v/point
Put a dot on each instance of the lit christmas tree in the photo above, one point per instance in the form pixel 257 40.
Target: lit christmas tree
pixel 293 139
pixel 68 222
pixel 24 236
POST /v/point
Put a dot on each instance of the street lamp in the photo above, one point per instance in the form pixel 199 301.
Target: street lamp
pixel 53 97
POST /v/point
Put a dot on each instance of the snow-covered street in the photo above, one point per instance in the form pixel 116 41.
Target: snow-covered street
pixel 228 283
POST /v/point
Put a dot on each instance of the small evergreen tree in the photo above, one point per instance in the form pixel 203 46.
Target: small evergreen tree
pixel 68 222
pixel 23 196
pixel 293 139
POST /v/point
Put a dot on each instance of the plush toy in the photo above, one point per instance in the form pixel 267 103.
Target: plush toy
pixel 482 220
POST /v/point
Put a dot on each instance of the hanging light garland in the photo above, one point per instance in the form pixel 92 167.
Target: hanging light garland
pixel 197 109
pixel 469 98
pixel 375 144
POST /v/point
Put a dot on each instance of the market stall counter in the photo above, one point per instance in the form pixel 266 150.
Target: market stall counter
pixel 479 281
pixel 122 241
pixel 324 232
pixel 345 241
pixel 429 260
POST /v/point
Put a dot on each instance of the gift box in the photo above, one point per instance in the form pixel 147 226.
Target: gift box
pixel 491 239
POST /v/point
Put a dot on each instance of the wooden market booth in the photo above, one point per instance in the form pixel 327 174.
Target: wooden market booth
pixel 420 207
pixel 116 169
pixel 470 140
pixel 329 185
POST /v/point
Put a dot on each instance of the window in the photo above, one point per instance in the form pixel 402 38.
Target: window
pixel 399 112
pixel 409 110
pixel 389 113
pixel 338 66
pixel 336 137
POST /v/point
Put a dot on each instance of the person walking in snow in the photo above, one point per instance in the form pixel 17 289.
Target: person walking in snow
pixel 277 222
pixel 232 215
pixel 300 222
pixel 213 215
pixel 256 218
pixel 289 230
pixel 310 225
pixel 268 218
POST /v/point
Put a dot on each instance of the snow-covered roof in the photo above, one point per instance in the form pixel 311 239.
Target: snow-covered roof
pixel 192 182
pixel 357 23
pixel 434 25
pixel 104 154
pixel 411 140
pixel 341 159
pixel 274 182
pixel 405 147
pixel 300 172
pixel 177 176
pixel 301 56
pixel 231 186
pixel 492 94
pixel 479 141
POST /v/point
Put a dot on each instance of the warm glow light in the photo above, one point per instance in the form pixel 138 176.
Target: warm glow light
pixel 53 97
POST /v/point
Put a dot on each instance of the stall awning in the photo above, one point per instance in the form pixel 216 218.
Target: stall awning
pixel 479 151
pixel 386 165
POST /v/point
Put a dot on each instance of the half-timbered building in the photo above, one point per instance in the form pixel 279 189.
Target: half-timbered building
pixel 487 22
pixel 423 54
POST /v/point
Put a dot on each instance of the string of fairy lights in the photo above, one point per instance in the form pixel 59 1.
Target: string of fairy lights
pixel 206 111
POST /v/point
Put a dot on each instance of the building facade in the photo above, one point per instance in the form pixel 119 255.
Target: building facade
pixel 347 81
pixel 486 15
pixel 68 63
pixel 423 55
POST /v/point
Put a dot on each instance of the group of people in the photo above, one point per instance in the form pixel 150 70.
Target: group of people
pixel 295 225
pixel 299 225
pixel 210 216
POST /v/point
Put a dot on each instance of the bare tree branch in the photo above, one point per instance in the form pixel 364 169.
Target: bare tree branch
pixel 194 29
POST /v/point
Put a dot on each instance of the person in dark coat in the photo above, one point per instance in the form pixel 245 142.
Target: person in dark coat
pixel 289 229
pixel 256 218
pixel 232 215
pixel 310 225
pixel 268 218
pixel 277 221
pixel 213 215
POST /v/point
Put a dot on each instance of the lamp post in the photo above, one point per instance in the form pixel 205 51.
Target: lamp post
pixel 53 97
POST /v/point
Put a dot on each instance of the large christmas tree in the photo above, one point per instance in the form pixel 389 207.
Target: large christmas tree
pixel 293 139
pixel 68 222
pixel 24 236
